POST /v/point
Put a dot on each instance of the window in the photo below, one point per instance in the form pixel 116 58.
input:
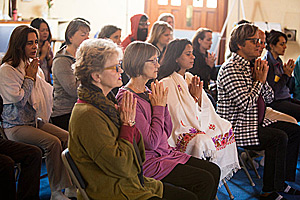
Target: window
pixel 162 2
pixel 175 2
pixel 211 3
pixel 198 3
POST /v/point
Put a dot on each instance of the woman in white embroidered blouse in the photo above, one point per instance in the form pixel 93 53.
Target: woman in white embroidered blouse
pixel 197 129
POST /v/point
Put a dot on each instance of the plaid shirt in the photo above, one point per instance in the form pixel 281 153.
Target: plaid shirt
pixel 237 99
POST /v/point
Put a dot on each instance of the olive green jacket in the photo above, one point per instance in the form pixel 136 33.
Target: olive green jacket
pixel 107 163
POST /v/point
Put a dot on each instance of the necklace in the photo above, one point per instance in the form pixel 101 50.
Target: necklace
pixel 142 91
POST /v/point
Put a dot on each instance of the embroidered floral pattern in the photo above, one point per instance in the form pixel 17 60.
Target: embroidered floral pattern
pixel 179 88
pixel 184 138
pixel 221 141
pixel 212 126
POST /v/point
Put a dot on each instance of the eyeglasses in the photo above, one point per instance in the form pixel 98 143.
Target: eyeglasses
pixel 255 40
pixel 154 61
pixel 116 67
pixel 144 23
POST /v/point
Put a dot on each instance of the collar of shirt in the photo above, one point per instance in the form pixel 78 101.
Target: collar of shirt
pixel 272 60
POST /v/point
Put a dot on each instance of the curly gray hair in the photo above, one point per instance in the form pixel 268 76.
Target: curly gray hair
pixel 92 55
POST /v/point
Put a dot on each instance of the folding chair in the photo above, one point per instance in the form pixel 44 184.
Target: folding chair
pixel 74 173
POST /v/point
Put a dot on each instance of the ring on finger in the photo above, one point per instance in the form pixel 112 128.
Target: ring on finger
pixel 257 68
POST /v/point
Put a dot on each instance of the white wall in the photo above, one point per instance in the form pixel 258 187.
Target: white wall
pixel 98 12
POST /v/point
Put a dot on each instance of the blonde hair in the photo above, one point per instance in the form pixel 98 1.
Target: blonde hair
pixel 164 17
pixel 158 28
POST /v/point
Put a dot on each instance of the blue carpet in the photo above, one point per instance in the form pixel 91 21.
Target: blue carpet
pixel 239 185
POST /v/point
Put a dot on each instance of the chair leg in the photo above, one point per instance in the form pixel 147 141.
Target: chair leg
pixel 228 190
pixel 246 171
pixel 251 162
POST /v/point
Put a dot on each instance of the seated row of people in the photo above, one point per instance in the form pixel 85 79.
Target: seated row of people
pixel 192 126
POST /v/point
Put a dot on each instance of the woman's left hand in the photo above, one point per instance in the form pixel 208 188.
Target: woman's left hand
pixel 195 89
pixel 289 67
pixel 128 109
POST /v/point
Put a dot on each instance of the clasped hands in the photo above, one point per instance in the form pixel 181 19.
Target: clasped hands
pixel 289 67
pixel 260 70
pixel 159 95
pixel 31 68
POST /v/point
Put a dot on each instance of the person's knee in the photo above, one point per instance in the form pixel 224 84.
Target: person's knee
pixel 7 164
pixel 53 143
pixel 281 137
pixel 35 153
pixel 215 171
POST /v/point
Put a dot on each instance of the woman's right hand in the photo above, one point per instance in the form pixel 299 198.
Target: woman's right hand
pixel 32 68
pixel 159 94
pixel 127 109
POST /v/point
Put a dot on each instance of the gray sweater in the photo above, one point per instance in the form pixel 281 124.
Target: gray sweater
pixel 64 83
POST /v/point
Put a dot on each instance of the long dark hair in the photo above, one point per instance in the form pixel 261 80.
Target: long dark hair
pixel 173 51
pixel 200 33
pixel 17 43
pixel 36 23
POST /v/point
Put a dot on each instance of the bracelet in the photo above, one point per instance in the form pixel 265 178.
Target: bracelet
pixel 29 77
pixel 130 123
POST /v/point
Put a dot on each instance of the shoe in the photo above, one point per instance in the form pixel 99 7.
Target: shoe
pixel 289 190
pixel 71 192
pixel 58 195
pixel 247 161
pixel 272 196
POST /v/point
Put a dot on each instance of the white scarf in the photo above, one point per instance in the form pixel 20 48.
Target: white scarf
pixel 186 114
pixel 41 97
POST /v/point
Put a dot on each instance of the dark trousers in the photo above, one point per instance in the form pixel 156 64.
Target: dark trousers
pixel 62 121
pixel 172 192
pixel 30 158
pixel 288 106
pixel 280 141
pixel 199 177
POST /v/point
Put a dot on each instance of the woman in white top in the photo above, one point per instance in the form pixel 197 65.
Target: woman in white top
pixel 27 103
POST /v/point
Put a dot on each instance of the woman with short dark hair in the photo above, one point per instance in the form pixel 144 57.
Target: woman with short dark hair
pixel 111 32
pixel 64 82
pixel 280 75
